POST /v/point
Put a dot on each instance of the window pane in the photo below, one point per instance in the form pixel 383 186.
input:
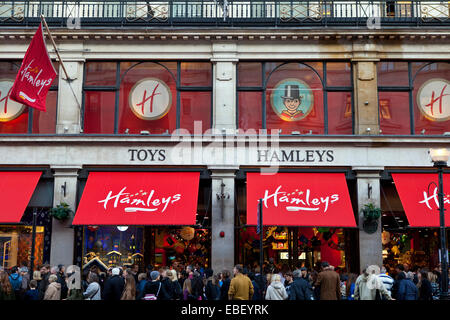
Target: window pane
pixel 431 97
pixel 250 106
pixel 338 74
pixel 147 100
pixel 100 73
pixel 196 74
pixel 45 122
pixel 394 74
pixel 18 125
pixel 99 112
pixel 294 100
pixel 249 74
pixel 340 113
pixel 195 106
pixel 394 112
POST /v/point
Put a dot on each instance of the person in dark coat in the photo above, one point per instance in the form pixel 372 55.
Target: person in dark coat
pixel 407 290
pixel 426 290
pixel 197 286
pixel 43 285
pixel 300 289
pixel 155 286
pixel 257 294
pixel 114 286
pixel 225 285
pixel 168 291
pixel 212 291
pixel 62 281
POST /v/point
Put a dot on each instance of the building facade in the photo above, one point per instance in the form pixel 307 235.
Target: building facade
pixel 226 89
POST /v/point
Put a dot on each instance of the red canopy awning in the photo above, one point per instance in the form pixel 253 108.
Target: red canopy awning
pixel 420 198
pixel 139 198
pixel 16 191
pixel 300 199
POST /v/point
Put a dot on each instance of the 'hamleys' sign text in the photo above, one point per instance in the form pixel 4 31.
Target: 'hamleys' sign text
pixel 142 201
pixel 298 200
pixel 433 199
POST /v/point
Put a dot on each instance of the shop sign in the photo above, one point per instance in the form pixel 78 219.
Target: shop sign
pixel 433 99
pixel 419 196
pixel 150 99
pixel 292 99
pixel 296 155
pixel 300 199
pixel 9 109
pixel 279 246
pixel 139 198
pixel 147 155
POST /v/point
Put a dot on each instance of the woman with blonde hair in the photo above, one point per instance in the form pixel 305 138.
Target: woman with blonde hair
pixel 176 287
pixel 129 291
pixel 276 290
pixel 53 291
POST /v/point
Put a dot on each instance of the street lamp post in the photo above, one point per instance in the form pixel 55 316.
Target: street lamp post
pixel 440 158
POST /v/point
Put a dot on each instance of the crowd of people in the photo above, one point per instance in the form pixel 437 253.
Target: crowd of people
pixel 180 282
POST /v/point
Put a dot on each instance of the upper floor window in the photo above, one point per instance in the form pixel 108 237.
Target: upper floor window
pixel 295 98
pixel 16 118
pixel 158 97
pixel 414 97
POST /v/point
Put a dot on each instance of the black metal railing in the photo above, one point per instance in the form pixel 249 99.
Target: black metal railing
pixel 231 13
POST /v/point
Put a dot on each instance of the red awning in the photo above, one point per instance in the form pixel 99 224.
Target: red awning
pixel 139 198
pixel 300 199
pixel 16 191
pixel 420 198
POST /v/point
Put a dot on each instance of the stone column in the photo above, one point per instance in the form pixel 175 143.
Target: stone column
pixel 63 236
pixel 366 97
pixel 370 246
pixel 69 110
pixel 222 248
pixel 224 86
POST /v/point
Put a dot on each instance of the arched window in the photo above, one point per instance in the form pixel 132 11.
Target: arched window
pixel 295 98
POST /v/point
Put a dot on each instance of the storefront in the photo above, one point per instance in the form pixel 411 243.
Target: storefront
pixel 144 217
pixel 24 194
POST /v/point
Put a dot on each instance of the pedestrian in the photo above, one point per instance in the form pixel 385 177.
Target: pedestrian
pixel 62 281
pixel 276 289
pixel 93 291
pixel 154 289
pixel 425 288
pixel 135 272
pixel 434 285
pixel 45 273
pixel 212 289
pixel 187 288
pixel 261 281
pixel 241 287
pixel 257 292
pixel 225 285
pixel 329 282
pixel 129 291
pixel 32 293
pixel 142 280
pixel 369 286
pixel 386 279
pixel 406 288
pixel 25 280
pixel 16 281
pixel 53 291
pixel 167 293
pixel 300 289
pixel 350 286
pixel 197 286
pixel 6 289
pixel 176 290
pixel 114 286
pixel 288 282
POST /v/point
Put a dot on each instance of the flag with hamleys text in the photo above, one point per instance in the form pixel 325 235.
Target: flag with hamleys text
pixel 35 75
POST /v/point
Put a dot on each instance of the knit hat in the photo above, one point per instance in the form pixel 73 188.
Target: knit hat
pixel 23 269
pixel 115 271
pixel 154 275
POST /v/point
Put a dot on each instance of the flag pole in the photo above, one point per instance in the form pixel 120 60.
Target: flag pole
pixel 59 58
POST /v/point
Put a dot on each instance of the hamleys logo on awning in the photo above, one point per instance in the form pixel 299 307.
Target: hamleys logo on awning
pixel 432 200
pixel 298 200
pixel 141 201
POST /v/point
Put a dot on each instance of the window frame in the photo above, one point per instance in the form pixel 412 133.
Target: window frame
pixel 325 89
pixel 116 89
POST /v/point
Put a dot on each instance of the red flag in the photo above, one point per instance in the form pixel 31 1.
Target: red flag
pixel 35 76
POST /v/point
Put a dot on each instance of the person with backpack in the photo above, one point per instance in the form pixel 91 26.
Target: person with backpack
pixel 93 291
pixel 16 281
pixel 154 290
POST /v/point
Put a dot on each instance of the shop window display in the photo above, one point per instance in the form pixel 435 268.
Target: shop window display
pixel 295 98
pixel 16 118
pixel 146 97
